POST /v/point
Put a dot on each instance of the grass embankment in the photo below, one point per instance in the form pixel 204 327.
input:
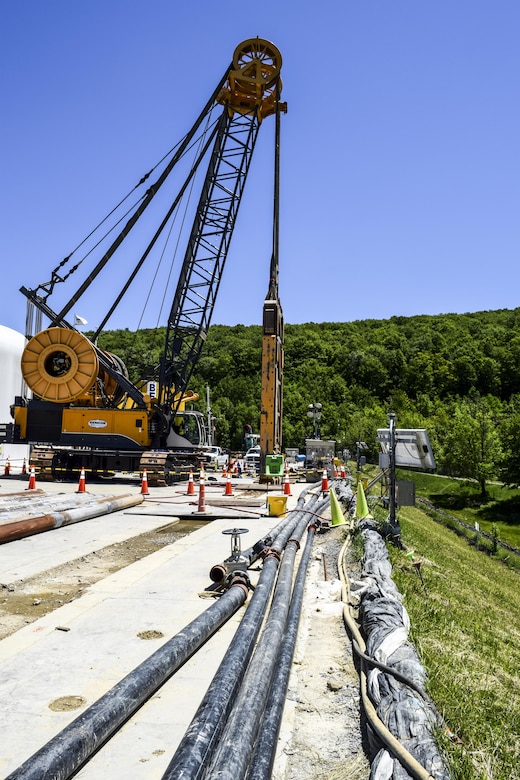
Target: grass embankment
pixel 465 624
pixel 498 514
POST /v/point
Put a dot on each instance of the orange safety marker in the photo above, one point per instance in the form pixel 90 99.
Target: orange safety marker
pixel 325 481
pixel 81 486
pixel 24 467
pixel 144 484
pixel 7 469
pixel 342 472
pixel 229 488
pixel 202 494
pixel 32 480
pixel 287 485
pixel 191 485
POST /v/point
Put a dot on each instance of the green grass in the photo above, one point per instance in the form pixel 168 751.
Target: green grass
pixel 466 628
pixel 461 498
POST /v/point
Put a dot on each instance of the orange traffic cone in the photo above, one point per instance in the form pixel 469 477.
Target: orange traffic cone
pixel 287 485
pixel 191 485
pixel 342 473
pixel 24 467
pixel 202 494
pixel 144 484
pixel 81 486
pixel 7 469
pixel 32 480
pixel 325 481
pixel 229 488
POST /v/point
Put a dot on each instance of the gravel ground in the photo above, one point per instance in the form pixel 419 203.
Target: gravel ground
pixel 323 700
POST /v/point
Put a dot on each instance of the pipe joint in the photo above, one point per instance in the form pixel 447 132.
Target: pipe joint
pixel 240 578
pixel 220 571
pixel 295 542
pixel 271 552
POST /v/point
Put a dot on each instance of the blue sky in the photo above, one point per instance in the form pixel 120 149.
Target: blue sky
pixel 400 167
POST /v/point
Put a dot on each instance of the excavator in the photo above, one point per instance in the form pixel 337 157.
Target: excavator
pixel 81 410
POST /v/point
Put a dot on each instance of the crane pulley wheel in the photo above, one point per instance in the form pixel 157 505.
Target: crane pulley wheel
pixel 59 364
pixel 258 59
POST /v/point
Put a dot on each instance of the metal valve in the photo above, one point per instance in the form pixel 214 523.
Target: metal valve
pixel 235 539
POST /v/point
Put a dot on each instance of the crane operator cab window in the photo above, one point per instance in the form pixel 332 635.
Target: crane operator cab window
pixel 188 426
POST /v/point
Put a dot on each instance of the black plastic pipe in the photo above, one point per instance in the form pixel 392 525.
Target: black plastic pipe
pixel 232 757
pixel 201 738
pixel 262 760
pixel 63 755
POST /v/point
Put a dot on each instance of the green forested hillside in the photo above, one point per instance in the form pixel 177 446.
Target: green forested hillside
pixel 458 375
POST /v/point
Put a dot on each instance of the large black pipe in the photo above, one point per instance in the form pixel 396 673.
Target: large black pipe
pixel 74 745
pixel 232 757
pixel 200 740
pixel 261 764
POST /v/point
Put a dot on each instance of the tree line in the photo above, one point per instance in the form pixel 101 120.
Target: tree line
pixel 457 375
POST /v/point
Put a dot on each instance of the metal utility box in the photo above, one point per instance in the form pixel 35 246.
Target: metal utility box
pixel 405 492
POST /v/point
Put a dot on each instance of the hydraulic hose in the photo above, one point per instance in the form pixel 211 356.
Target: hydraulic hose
pixel 261 764
pixel 412 766
pixel 200 740
pixel 62 756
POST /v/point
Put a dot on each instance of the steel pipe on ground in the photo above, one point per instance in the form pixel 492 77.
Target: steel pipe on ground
pixel 48 522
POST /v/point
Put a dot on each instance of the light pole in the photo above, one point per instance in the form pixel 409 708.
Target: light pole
pixel 314 412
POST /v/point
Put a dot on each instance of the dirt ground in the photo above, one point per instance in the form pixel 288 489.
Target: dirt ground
pixel 27 601
pixel 327 738
pixel 323 740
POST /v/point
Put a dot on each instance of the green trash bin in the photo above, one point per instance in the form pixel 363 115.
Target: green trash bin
pixel 274 465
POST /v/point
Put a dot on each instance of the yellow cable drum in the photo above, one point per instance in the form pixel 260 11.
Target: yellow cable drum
pixel 59 365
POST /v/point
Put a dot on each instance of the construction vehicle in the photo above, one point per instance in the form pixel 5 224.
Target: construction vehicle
pixel 84 411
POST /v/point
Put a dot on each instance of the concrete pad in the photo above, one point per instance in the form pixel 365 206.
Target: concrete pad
pixel 159 593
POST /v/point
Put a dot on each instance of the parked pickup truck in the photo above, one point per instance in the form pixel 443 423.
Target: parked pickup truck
pixel 216 457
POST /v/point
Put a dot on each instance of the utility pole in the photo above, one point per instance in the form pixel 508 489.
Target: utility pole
pixel 391 425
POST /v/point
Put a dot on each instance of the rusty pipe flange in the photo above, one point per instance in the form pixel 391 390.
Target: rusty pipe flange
pixel 270 552
pixel 240 579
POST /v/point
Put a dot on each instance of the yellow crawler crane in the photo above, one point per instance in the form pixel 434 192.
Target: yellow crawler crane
pixel 84 411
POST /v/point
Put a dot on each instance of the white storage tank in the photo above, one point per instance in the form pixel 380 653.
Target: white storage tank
pixel 12 345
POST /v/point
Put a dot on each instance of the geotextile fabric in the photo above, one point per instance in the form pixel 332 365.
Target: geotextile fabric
pixel 385 623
